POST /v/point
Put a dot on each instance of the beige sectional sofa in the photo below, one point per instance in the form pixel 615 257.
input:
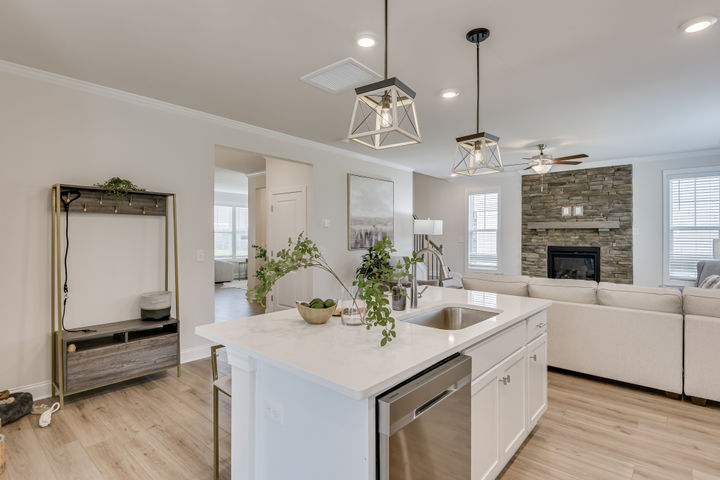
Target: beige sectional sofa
pixel 622 332
pixel 702 343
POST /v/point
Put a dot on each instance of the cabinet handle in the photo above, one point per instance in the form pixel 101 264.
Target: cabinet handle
pixel 540 325
pixel 534 358
pixel 503 380
pixel 508 377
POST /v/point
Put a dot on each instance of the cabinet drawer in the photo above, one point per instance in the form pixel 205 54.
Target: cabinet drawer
pixel 112 363
pixel 490 352
pixel 536 325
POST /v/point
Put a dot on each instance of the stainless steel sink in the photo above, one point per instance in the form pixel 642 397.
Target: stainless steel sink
pixel 451 318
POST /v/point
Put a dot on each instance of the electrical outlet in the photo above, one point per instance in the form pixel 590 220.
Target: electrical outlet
pixel 200 255
pixel 274 411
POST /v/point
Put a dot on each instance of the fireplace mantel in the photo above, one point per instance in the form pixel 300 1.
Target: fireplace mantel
pixel 603 226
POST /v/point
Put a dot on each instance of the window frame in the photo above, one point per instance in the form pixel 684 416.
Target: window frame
pixel 669 175
pixel 498 236
pixel 233 233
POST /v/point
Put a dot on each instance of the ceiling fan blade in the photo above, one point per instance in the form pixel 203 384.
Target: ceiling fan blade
pixel 526 158
pixel 572 157
pixel 528 168
pixel 516 165
pixel 561 162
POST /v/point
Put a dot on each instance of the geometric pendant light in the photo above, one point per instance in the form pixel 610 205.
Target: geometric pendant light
pixel 479 153
pixel 384 113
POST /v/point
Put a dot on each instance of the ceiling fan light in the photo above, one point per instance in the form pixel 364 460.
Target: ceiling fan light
pixel 477 154
pixel 384 115
pixel 542 168
pixel 698 24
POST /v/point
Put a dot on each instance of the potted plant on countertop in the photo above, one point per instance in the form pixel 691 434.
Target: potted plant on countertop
pixel 370 281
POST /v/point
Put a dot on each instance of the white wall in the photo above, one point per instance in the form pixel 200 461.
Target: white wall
pixel 445 199
pixel 59 130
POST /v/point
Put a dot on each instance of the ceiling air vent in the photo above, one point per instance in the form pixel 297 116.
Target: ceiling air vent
pixel 342 75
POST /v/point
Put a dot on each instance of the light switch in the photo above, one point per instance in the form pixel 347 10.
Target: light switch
pixel 200 255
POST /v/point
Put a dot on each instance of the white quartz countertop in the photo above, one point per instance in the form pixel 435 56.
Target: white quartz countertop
pixel 349 359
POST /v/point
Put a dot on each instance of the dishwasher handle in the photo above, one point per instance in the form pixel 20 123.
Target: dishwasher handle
pixel 434 401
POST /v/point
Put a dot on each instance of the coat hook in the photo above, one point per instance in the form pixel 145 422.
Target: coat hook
pixel 157 202
pixel 101 199
pixel 115 209
pixel 130 202
pixel 143 210
pixel 85 207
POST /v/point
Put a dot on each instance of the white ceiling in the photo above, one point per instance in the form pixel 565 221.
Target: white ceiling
pixel 611 78
pixel 229 181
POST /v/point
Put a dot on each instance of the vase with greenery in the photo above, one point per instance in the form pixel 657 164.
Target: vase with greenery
pixel 370 281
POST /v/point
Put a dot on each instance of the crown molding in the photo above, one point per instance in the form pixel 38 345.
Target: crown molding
pixel 132 98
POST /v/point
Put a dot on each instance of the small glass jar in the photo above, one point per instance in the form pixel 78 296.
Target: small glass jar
pixel 399 297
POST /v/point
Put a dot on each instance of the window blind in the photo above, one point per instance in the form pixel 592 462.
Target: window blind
pixel 483 231
pixel 694 204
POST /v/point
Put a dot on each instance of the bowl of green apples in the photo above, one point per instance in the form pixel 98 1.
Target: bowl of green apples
pixel 317 311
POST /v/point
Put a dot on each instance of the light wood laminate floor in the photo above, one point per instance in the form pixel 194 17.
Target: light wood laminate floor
pixel 232 303
pixel 161 428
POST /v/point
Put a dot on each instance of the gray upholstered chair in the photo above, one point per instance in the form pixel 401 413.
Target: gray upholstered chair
pixel 706 268
pixel 222 383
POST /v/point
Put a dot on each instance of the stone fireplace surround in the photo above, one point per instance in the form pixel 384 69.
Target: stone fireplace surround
pixel 604 193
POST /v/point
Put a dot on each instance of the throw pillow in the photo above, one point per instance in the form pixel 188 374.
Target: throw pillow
pixel 711 281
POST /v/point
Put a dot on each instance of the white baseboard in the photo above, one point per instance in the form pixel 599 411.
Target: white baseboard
pixel 39 390
pixel 43 390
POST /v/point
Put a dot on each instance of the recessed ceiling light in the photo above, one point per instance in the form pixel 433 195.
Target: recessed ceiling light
pixel 365 41
pixel 449 93
pixel 698 24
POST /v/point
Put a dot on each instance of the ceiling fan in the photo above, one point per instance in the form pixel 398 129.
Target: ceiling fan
pixel 542 163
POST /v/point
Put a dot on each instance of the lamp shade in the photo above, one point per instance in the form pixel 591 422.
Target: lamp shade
pixel 716 249
pixel 428 227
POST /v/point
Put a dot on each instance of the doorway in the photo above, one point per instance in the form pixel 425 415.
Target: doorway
pixel 238 174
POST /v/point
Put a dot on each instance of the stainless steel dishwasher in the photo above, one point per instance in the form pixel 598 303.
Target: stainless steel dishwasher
pixel 424 425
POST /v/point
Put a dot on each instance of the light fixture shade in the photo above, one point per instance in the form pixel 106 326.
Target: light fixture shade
pixel 542 168
pixel 428 227
pixel 384 115
pixel 477 154
pixel 716 248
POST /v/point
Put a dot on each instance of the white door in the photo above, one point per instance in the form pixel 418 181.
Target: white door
pixel 485 428
pixel 512 381
pixel 537 379
pixel 287 219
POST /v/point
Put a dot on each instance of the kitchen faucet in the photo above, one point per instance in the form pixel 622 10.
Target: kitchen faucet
pixel 414 287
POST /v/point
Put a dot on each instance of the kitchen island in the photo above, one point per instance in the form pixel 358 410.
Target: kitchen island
pixel 304 396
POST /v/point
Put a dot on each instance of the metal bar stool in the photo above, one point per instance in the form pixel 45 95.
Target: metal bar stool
pixel 222 382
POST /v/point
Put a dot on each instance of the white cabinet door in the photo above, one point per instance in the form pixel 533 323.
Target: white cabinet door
pixel 537 379
pixel 485 418
pixel 513 410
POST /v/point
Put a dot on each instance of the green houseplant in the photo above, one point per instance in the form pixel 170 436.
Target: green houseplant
pixel 370 279
pixel 118 187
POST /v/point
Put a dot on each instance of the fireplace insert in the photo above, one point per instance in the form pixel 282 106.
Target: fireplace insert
pixel 582 263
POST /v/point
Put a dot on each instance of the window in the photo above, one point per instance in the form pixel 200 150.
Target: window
pixel 482 250
pixel 231 231
pixel 692 222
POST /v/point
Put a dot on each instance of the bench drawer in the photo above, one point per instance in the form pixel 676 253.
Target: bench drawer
pixel 120 361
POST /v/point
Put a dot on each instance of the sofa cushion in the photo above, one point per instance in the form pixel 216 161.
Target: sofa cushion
pixel 654 299
pixel 563 290
pixel 497 283
pixel 701 301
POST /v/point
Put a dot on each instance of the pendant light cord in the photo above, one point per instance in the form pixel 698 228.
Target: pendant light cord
pixel 386 38
pixel 477 84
